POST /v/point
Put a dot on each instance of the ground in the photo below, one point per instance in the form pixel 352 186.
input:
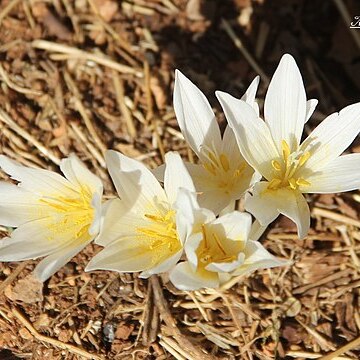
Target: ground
pixel 86 75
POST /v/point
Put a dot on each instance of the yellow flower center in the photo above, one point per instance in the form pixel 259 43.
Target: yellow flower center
pixel 286 169
pixel 218 165
pixel 160 236
pixel 71 217
pixel 212 249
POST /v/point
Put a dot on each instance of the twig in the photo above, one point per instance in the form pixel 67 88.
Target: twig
pixel 5 118
pixel 238 43
pixel 165 313
pixel 334 216
pixel 7 9
pixel 13 275
pixel 349 346
pixel 75 53
pixel 71 348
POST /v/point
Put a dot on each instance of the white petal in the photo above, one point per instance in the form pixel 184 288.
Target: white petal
pixel 194 115
pixel 236 225
pixel 310 108
pixel 52 263
pixel 191 246
pixel 119 222
pixel 79 175
pixel 252 134
pixel 30 241
pixel 166 265
pixel 184 278
pixel 122 256
pixel 250 94
pixel 176 176
pixel 332 136
pixel 38 181
pixel 285 103
pixel 256 230
pixel 133 181
pixel 96 205
pixel 230 146
pixel 341 174
pixel 257 257
pixel 226 267
pixel 18 206
pixel 266 205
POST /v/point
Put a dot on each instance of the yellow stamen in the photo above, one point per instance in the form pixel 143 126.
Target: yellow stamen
pixel 219 243
pixel 276 165
pixel 224 162
pixel 292 183
pixel 302 182
pixel 274 184
pixel 210 168
pixel 304 158
pixel 285 149
pixel 213 158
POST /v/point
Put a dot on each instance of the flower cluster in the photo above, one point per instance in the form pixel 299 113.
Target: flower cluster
pixel 180 218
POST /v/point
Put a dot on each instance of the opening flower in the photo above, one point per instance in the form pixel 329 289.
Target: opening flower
pixel 222 175
pixel 216 248
pixel 289 167
pixel 140 231
pixel 55 216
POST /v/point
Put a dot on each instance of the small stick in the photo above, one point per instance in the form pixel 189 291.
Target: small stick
pixel 334 216
pixel 75 53
pixel 165 313
pixel 7 9
pixel 238 43
pixel 5 118
pixel 71 348
pixel 13 276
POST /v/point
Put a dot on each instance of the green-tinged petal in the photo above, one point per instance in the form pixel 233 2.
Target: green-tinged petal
pixel 252 134
pixel 194 115
pixel 285 104
pixel 331 137
pixel 134 182
pixel 341 174
pixel 184 278
pixel 267 204
pixel 176 176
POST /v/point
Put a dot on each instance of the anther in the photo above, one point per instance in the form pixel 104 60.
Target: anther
pixel 224 162
pixel 276 165
pixel 285 149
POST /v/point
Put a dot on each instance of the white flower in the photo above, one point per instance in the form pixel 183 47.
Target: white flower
pixel 222 175
pixel 55 216
pixel 140 231
pixel 216 248
pixel 273 148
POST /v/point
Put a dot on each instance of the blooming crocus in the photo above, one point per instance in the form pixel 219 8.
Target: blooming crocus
pixel 56 217
pixel 273 148
pixel 140 231
pixel 222 175
pixel 216 248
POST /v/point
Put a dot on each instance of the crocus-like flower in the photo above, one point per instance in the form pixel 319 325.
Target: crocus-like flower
pixel 140 231
pixel 273 148
pixel 55 216
pixel 216 248
pixel 222 175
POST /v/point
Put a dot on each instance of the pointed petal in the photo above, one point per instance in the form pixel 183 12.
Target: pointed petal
pixel 194 115
pixel 266 205
pixel 237 225
pixel 133 181
pixel 310 108
pixel 52 263
pixel 332 136
pixel 165 266
pixel 176 176
pixel 18 206
pixel 257 257
pixel 252 134
pixel 122 256
pixel 250 95
pixel 38 181
pixel 184 278
pixel 341 174
pixel 79 175
pixel 285 103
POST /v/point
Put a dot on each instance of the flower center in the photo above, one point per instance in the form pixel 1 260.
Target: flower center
pixel 218 165
pixel 160 236
pixel 286 169
pixel 212 250
pixel 71 216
